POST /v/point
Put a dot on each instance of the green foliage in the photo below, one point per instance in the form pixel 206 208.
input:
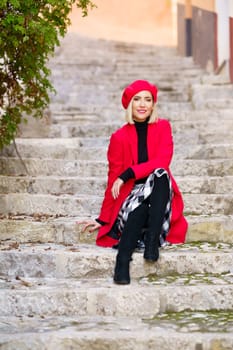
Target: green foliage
pixel 29 32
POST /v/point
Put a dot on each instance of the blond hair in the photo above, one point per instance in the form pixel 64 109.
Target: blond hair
pixel 129 114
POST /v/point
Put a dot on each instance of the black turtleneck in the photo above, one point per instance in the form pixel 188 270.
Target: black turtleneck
pixel 141 128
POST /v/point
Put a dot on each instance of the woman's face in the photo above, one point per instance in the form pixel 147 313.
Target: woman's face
pixel 142 106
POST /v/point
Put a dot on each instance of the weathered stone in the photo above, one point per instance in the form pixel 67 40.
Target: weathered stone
pixel 88 261
pixel 81 205
pixel 93 332
pixel 65 230
pixel 59 297
pixel 211 96
pixel 57 167
pixel 91 149
pixel 53 185
pixel 201 131
pixel 43 229
pixel 58 185
pixel 86 168
pixel 210 228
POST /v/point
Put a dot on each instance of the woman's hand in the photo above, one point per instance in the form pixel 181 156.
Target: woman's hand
pixel 91 224
pixel 116 187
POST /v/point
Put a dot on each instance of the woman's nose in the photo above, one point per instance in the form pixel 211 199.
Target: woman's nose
pixel 142 102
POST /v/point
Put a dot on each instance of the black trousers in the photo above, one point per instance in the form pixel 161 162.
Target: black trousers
pixel 149 214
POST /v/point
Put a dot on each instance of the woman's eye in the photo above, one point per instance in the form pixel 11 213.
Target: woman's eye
pixel 139 99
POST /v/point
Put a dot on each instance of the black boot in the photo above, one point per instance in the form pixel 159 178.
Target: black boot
pixel 157 206
pixel 151 252
pixel 130 235
pixel 121 273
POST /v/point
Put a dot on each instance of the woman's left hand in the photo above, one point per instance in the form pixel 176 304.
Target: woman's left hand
pixel 116 187
pixel 90 224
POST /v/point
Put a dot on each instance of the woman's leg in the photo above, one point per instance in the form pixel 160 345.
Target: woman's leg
pixel 130 235
pixel 157 206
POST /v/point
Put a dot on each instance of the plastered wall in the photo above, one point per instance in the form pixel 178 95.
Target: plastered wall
pixel 187 5
pixel 146 21
pixel 231 9
pixel 208 5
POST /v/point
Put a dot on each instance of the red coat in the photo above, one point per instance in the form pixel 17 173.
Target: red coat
pixel 123 153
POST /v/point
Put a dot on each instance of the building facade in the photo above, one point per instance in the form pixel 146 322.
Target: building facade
pixel 205 31
pixel 143 21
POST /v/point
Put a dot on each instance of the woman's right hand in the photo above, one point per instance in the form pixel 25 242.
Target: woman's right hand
pixel 91 224
pixel 116 187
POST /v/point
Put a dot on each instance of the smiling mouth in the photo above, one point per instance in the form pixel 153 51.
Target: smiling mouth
pixel 142 111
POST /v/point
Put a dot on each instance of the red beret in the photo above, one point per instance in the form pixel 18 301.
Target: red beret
pixel 134 88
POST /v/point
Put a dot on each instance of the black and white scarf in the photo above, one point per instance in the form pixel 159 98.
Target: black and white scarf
pixel 138 194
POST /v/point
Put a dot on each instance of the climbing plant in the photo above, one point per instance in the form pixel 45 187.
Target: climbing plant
pixel 29 33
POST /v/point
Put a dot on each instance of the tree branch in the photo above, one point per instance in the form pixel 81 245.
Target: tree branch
pixel 18 154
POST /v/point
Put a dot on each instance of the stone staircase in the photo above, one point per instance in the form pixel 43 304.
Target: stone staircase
pixel 56 289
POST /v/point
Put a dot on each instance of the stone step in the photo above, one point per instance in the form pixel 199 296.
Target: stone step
pixel 64 230
pixel 205 184
pixel 70 124
pixel 61 167
pixel 113 71
pixel 53 185
pixel 87 261
pixel 202 114
pixel 179 121
pixel 91 149
pixel 210 151
pixel 195 134
pixel 108 80
pixel 210 228
pixel 117 67
pixel 111 78
pixel 57 185
pixel 187 330
pixel 97 50
pixel 189 290
pixel 174 66
pixel 89 96
pixel 100 297
pixel 104 73
pixel 219 104
pixel 191 116
pixel 93 49
pixel 110 47
pixel 211 95
pixel 72 149
pixel 86 101
pixel 86 127
pixel 61 105
pixel 86 205
pixel 197 131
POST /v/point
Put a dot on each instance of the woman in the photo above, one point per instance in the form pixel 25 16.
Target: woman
pixel 141 194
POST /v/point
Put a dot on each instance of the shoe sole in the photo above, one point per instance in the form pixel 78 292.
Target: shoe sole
pixel 121 282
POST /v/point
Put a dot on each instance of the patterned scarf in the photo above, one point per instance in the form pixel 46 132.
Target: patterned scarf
pixel 139 193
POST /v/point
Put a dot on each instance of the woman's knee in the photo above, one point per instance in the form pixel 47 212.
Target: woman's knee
pixel 162 181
